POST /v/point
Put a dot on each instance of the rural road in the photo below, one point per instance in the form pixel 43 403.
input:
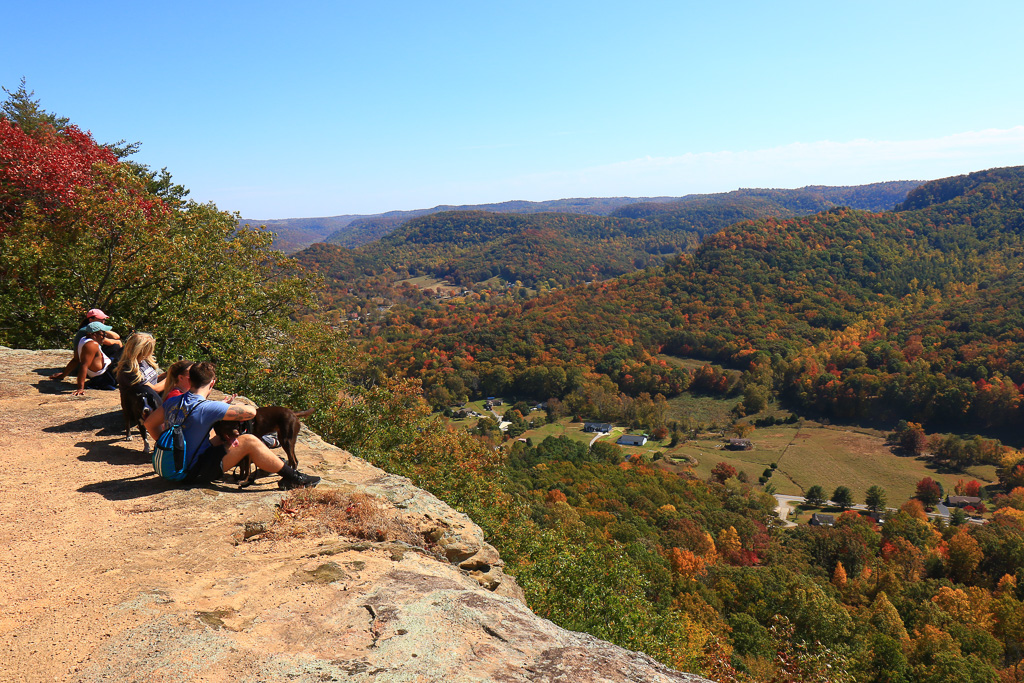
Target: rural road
pixel 786 504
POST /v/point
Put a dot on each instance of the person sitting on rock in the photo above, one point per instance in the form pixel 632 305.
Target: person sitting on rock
pixel 138 372
pixel 110 338
pixel 177 381
pixel 206 457
pixel 98 362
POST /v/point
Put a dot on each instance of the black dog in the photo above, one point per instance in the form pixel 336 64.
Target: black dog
pixel 137 402
pixel 268 420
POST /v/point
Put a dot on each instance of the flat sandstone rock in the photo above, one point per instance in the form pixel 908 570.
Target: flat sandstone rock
pixel 109 573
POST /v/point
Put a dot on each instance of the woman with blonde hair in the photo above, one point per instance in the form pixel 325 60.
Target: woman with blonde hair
pixel 137 370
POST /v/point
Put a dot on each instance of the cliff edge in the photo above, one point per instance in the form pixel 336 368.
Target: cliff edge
pixel 109 573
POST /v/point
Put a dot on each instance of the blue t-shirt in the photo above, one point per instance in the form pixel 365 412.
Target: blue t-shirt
pixel 196 427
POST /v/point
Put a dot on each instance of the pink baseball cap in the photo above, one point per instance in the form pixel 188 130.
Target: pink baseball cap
pixel 96 313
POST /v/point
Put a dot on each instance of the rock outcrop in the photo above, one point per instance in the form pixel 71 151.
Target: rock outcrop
pixel 109 573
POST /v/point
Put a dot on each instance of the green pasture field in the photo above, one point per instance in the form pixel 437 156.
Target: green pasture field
pixel 646 451
pixel 692 363
pixel 574 431
pixel 806 455
pixel 427 282
pixel 830 457
pixel 708 452
pixel 470 422
pixel 688 363
pixel 478 406
pixel 563 427
pixel 701 410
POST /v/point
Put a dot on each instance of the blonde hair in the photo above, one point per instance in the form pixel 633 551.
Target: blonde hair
pixel 139 347
pixel 177 369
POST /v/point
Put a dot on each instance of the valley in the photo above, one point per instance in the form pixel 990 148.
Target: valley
pixel 844 344
pixel 819 338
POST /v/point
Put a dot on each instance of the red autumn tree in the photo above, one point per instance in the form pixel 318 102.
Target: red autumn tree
pixel 722 471
pixel 46 168
pixel 969 488
pixel 929 492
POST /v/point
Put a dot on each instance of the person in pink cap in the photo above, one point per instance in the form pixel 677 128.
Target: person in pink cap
pixel 110 338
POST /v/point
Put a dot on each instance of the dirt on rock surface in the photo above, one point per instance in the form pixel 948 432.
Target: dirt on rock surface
pixel 109 573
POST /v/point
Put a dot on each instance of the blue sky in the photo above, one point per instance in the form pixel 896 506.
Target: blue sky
pixel 329 108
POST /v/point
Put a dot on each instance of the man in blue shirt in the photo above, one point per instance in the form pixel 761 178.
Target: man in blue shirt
pixel 206 458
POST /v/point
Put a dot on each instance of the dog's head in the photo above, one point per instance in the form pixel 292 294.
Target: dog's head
pixel 227 430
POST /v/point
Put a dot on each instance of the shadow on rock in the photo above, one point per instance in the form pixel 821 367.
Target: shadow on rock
pixel 107 424
pixel 115 451
pixel 139 486
pixel 50 386
pixel 149 484
pixel 47 372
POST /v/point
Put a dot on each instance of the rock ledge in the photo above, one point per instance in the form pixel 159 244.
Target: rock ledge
pixel 111 574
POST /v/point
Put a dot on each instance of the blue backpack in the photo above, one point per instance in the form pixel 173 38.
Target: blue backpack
pixel 169 453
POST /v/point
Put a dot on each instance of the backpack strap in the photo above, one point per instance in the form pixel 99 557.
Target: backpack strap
pixel 190 410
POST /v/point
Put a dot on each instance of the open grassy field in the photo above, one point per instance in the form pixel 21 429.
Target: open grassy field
pixel 829 456
pixel 806 455
pixel 427 282
pixel 563 427
pixel 646 451
pixel 692 363
pixel 701 410
pixel 708 452
pixel 574 430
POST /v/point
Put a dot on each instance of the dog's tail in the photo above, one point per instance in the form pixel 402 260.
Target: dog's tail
pixel 304 413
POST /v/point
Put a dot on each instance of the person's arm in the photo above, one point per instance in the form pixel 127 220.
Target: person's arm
pixel 160 384
pixel 154 422
pixel 238 412
pixel 89 351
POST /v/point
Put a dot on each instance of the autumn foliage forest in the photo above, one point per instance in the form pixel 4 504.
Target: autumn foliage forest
pixel 885 318
pixel 907 319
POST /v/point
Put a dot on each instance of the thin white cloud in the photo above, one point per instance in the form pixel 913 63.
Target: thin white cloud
pixel 802 163
pixel 853 162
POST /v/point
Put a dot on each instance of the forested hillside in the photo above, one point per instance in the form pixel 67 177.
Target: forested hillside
pixel 905 314
pixel 758 203
pixel 481 250
pixel 293 234
pixel 366 229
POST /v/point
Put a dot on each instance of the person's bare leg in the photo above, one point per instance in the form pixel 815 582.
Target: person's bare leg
pixel 259 455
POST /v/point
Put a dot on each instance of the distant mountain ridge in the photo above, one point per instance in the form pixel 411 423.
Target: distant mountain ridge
pixel 294 234
pixel 560 249
pixel 353 230
pixel 357 232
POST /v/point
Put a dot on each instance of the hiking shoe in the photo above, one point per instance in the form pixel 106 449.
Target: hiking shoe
pixel 271 440
pixel 301 481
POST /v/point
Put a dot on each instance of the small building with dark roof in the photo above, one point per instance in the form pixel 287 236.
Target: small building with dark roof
pixel 739 445
pixel 597 427
pixel 818 519
pixel 961 501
